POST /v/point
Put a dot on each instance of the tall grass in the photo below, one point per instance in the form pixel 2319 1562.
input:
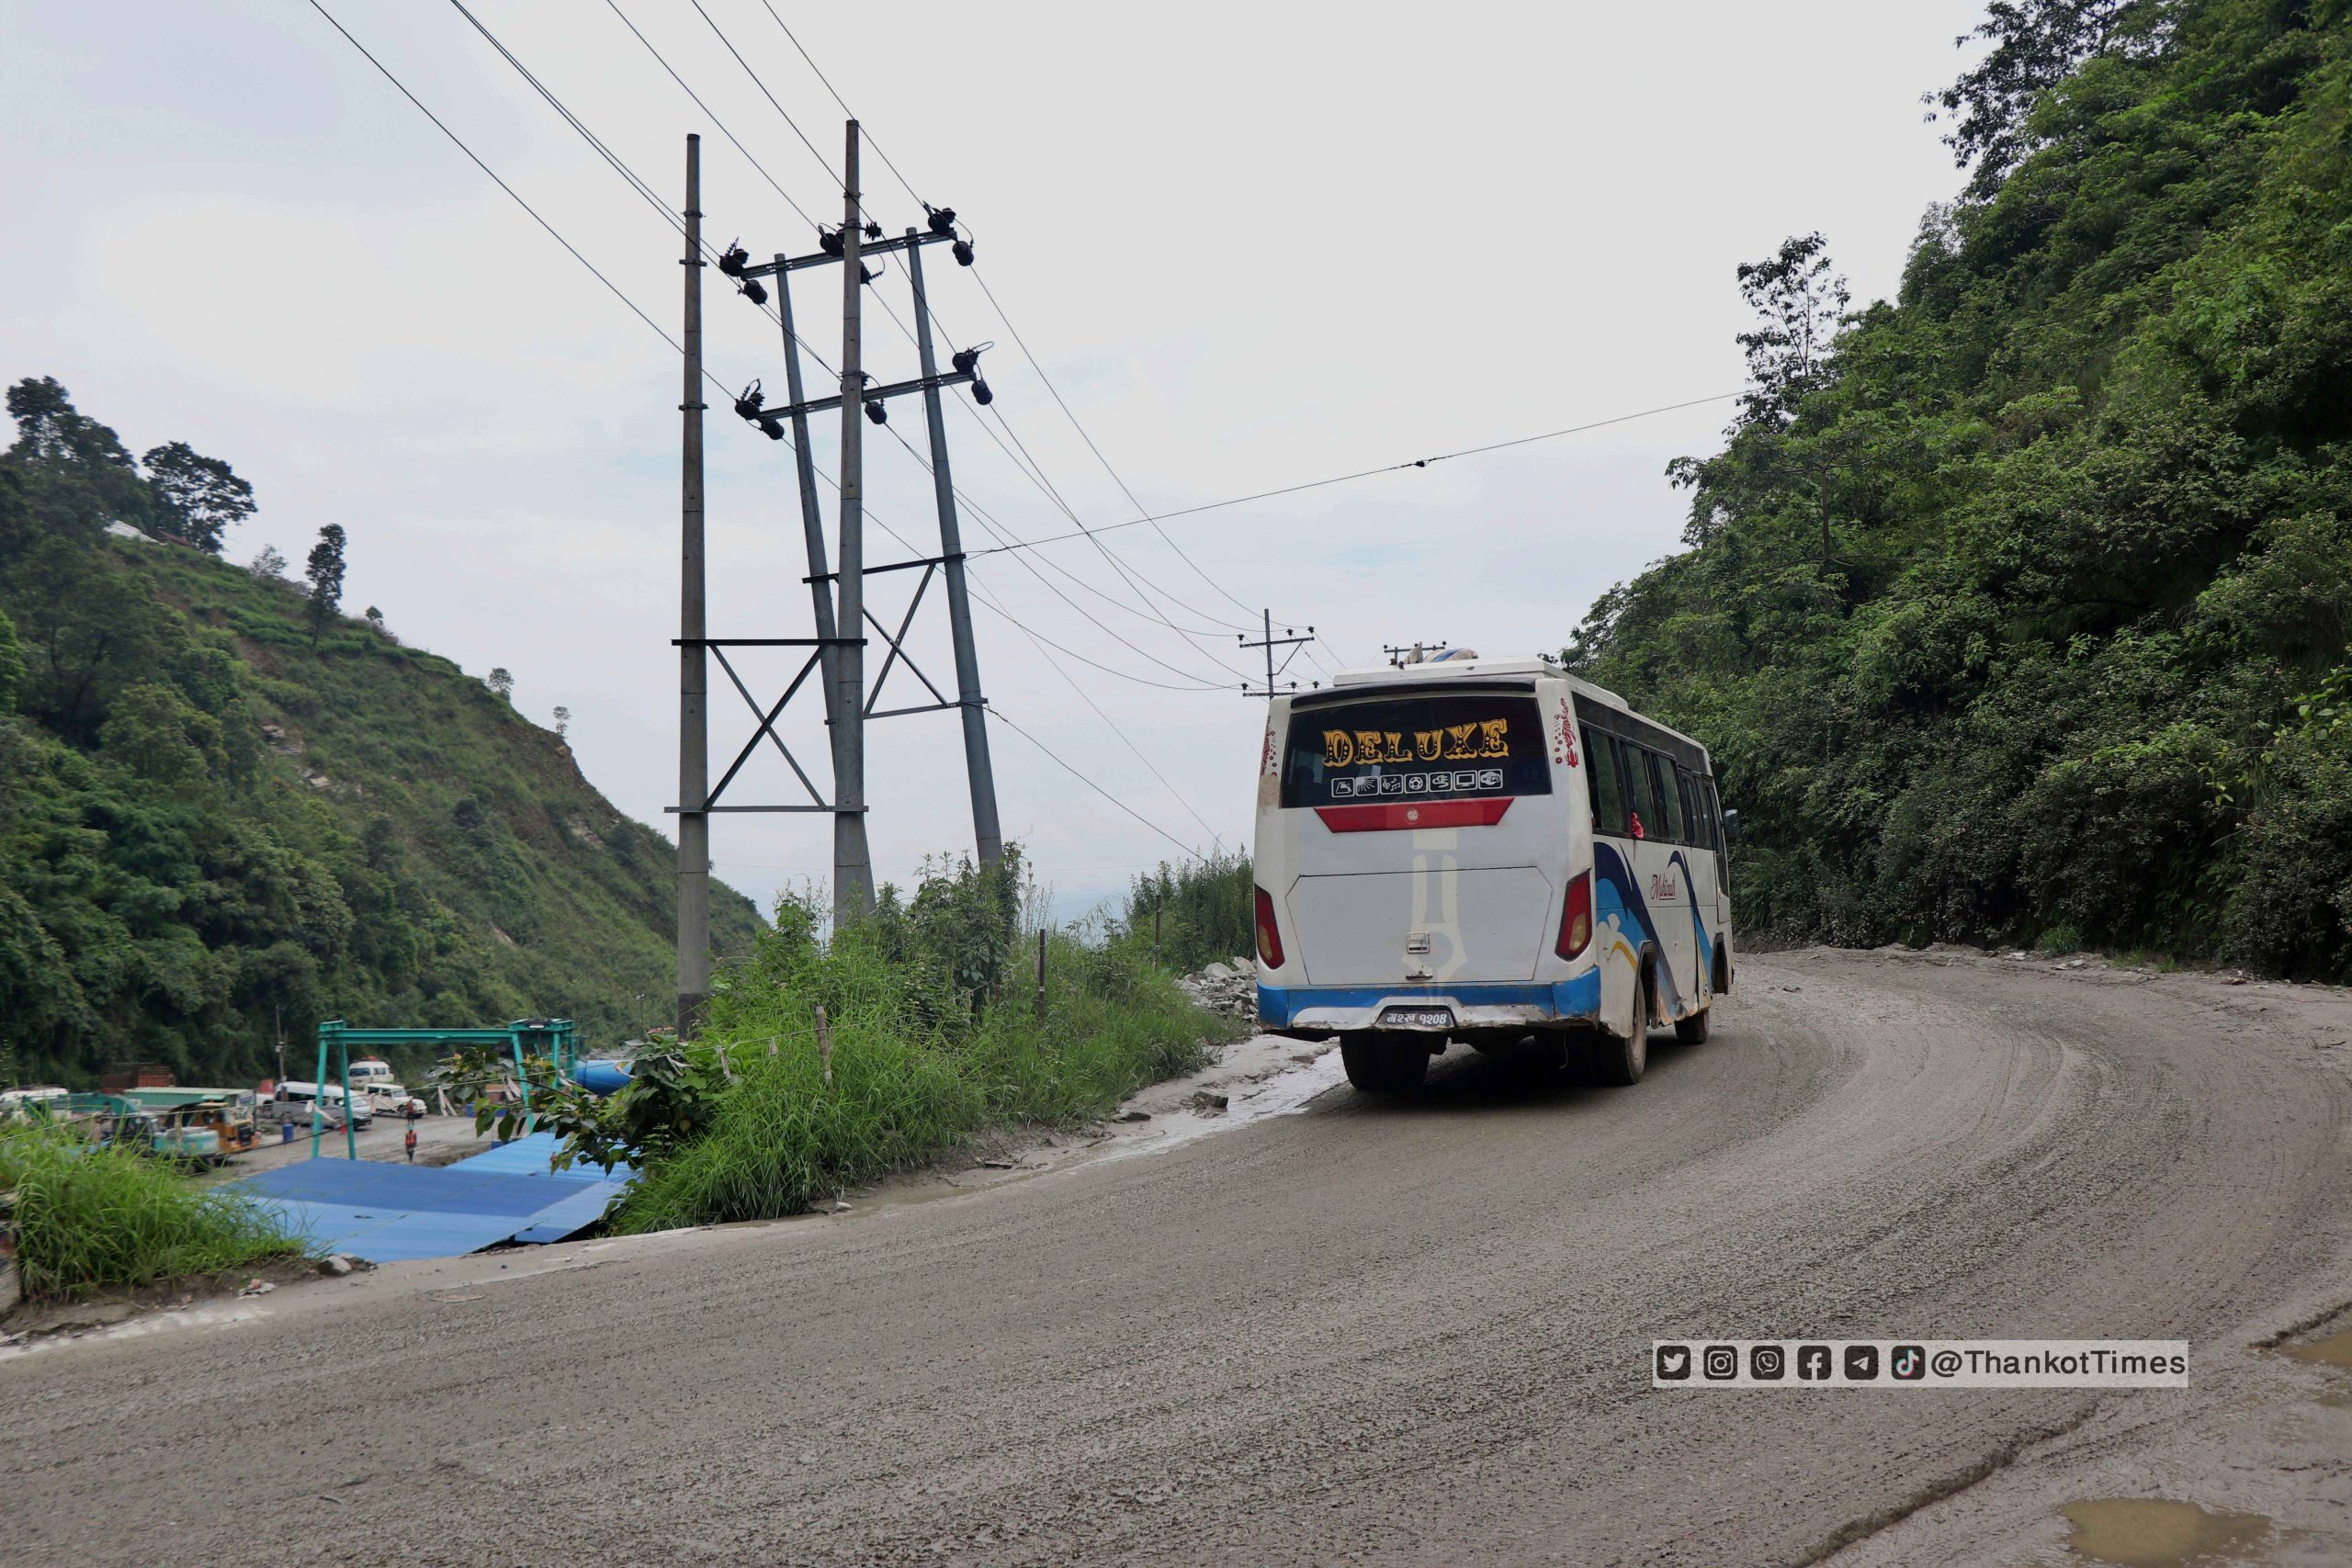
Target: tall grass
pixel 1204 911
pixel 920 1061
pixel 89 1217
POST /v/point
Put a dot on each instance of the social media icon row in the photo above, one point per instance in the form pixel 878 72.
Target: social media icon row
pixel 1769 1363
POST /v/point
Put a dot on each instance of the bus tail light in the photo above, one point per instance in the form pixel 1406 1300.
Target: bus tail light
pixel 1576 920
pixel 1270 941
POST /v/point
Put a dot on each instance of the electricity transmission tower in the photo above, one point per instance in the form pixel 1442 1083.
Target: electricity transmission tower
pixel 1290 640
pixel 837 653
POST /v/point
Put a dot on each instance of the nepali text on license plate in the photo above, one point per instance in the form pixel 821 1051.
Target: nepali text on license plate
pixel 1417 1017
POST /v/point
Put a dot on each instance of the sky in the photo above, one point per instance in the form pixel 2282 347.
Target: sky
pixel 1250 245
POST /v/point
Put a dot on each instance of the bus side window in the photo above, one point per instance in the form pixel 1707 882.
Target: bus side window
pixel 1715 826
pixel 1641 812
pixel 1677 823
pixel 1607 788
pixel 1687 788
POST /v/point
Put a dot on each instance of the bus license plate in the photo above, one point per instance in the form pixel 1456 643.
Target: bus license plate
pixel 1417 1017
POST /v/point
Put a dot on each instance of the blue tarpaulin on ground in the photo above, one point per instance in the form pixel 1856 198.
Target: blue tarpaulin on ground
pixel 384 1211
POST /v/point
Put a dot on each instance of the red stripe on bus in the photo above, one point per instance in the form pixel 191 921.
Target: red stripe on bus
pixel 1389 819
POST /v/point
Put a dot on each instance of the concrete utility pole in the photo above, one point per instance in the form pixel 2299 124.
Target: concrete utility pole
pixel 990 837
pixel 812 522
pixel 694 673
pixel 852 869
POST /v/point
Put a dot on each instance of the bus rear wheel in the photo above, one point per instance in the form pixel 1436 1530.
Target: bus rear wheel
pixel 1692 1031
pixel 1620 1061
pixel 1383 1064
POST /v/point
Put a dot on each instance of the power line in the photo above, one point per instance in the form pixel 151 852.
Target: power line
pixel 1023 344
pixel 902 180
pixel 620 165
pixel 1364 473
pixel 998 715
pixel 1038 477
pixel 460 143
pixel 771 98
pixel 714 119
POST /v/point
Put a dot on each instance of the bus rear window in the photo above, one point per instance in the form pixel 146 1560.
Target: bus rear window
pixel 1411 747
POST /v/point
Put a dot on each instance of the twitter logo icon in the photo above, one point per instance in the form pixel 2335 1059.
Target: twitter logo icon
pixel 1674 1363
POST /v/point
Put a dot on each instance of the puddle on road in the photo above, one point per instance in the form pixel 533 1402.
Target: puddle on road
pixel 2152 1532
pixel 2335 1350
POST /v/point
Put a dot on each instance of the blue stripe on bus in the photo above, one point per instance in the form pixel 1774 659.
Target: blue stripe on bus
pixel 1618 894
pixel 1569 999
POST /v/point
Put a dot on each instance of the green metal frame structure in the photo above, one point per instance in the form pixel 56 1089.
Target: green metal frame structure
pixel 553 1037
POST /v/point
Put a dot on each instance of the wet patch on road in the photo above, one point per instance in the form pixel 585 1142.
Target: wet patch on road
pixel 2155 1532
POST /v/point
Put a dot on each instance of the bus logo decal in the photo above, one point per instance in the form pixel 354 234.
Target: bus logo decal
pixel 1455 743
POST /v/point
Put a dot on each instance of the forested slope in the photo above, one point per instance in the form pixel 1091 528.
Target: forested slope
pixel 2018 608
pixel 216 804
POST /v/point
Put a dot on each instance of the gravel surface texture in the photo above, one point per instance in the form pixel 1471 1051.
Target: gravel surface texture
pixel 1362 1331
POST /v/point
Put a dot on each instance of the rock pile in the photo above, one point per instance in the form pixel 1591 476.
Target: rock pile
pixel 1227 988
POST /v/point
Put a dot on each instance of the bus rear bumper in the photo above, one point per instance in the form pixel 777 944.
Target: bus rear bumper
pixel 1315 1011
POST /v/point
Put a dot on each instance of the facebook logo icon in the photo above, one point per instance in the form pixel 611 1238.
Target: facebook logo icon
pixel 1813 1363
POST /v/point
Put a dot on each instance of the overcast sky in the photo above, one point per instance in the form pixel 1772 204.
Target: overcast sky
pixel 1252 245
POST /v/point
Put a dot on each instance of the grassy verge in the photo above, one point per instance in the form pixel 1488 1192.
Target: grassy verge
pixel 90 1218
pixel 933 1038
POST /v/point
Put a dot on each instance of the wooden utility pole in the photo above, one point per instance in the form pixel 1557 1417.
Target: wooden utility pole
pixel 694 673
pixel 853 870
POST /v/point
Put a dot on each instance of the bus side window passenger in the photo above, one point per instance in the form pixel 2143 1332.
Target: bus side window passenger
pixel 1608 786
pixel 1641 812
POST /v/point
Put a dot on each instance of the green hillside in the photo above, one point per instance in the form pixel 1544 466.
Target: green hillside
pixel 215 805
pixel 2020 610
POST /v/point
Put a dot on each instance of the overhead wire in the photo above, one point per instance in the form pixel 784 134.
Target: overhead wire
pixel 660 332
pixel 1053 492
pixel 1367 473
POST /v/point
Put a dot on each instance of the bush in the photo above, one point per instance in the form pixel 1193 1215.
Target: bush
pixel 90 1216
pixel 1205 910
pixel 920 1060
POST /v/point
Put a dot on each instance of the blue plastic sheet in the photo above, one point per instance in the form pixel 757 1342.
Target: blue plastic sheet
pixel 385 1212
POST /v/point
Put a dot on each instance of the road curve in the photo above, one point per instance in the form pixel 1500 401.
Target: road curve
pixel 1372 1332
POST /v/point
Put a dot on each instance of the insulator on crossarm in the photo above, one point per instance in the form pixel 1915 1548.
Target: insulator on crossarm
pixel 751 290
pixel 962 249
pixel 876 412
pixel 980 393
pixel 748 401
pixel 731 260
pixel 942 219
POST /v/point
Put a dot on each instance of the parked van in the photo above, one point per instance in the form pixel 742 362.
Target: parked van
pixel 329 1099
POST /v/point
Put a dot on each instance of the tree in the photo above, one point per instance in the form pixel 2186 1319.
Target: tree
pixel 1802 304
pixel 70 475
pixel 325 572
pixel 201 497
pixel 2036 46
pixel 49 430
pixel 562 722
pixel 268 565
pixel 500 682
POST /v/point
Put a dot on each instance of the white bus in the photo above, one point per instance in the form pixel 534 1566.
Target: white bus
pixel 1478 851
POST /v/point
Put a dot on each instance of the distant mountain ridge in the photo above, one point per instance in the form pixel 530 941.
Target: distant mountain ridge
pixel 217 809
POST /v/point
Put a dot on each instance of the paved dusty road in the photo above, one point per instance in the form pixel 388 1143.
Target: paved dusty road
pixel 1365 1332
